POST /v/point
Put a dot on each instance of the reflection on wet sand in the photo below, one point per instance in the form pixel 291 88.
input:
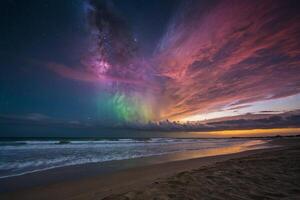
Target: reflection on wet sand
pixel 244 146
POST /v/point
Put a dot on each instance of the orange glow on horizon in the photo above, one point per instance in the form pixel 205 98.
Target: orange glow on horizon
pixel 254 132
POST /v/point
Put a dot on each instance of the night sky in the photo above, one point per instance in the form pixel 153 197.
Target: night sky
pixel 83 63
pixel 34 33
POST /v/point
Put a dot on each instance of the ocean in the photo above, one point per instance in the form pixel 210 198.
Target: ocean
pixel 19 157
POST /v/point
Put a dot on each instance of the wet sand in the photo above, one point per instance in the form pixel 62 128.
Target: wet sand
pixel 256 174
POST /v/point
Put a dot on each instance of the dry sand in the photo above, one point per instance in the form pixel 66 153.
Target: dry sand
pixel 257 174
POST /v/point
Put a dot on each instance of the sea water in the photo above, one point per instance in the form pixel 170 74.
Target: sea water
pixel 26 156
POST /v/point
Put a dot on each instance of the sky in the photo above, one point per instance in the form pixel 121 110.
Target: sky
pixel 107 63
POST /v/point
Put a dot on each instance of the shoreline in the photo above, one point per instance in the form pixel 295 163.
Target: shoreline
pixel 73 172
pixel 167 157
pixel 141 173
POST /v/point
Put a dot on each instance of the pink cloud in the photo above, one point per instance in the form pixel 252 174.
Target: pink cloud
pixel 81 75
pixel 238 51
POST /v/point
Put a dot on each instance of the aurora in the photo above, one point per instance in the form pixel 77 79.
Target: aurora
pixel 117 64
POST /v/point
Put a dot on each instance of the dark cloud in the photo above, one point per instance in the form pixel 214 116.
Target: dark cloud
pixel 268 111
pixel 243 122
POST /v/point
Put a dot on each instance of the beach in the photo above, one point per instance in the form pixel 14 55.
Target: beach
pixel 270 173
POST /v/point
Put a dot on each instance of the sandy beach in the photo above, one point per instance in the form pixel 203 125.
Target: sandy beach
pixel 256 174
pixel 268 175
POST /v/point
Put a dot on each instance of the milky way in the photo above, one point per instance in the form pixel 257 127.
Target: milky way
pixel 212 55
